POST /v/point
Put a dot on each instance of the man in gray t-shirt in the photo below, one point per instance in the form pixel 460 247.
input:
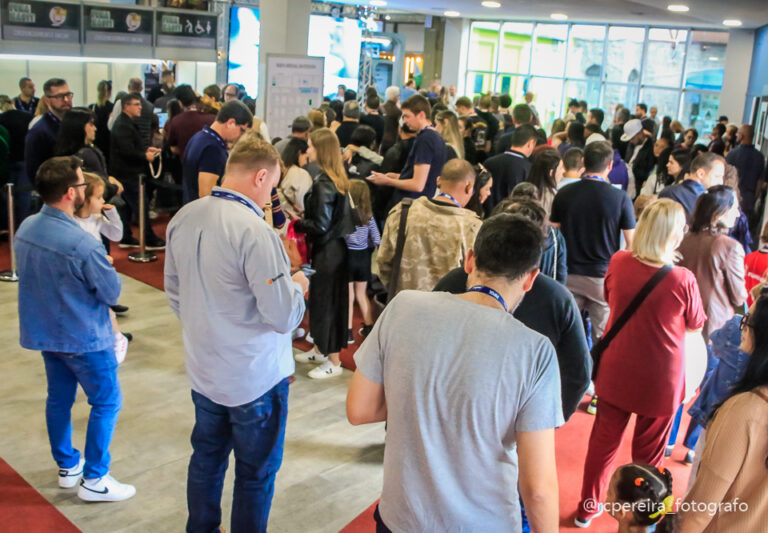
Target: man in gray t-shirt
pixel 470 395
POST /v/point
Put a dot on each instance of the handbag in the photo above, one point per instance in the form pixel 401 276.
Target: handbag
pixel 608 336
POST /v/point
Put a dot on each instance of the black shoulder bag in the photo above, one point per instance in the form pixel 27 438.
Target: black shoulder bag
pixel 608 336
pixel 399 245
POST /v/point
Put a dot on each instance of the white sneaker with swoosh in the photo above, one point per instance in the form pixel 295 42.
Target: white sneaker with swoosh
pixel 68 477
pixel 104 489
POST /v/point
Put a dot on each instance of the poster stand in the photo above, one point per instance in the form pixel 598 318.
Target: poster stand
pixel 294 86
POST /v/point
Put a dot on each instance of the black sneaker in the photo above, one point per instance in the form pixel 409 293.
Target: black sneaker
pixel 129 242
pixel 350 337
pixel 365 330
pixel 128 336
pixel 119 309
pixel 155 243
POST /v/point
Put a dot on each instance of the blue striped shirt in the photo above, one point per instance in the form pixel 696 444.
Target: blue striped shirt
pixel 364 237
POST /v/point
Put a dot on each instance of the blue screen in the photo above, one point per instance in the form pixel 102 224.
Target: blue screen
pixel 243 62
pixel 338 41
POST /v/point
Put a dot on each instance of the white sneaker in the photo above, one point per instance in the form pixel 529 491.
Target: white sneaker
pixel 298 333
pixel 68 477
pixel 325 371
pixel 121 347
pixel 312 356
pixel 104 489
pixel 591 389
pixel 309 339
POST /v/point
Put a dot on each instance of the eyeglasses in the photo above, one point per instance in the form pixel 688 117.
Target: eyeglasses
pixel 62 96
pixel 78 185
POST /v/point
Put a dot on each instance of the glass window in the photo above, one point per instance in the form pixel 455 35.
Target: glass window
pixel 625 53
pixel 614 94
pixel 515 47
pixel 706 60
pixel 666 101
pixel 547 99
pixel 585 54
pixel 700 111
pixel 664 57
pixel 478 83
pixel 512 85
pixel 582 90
pixel 549 52
pixel 483 42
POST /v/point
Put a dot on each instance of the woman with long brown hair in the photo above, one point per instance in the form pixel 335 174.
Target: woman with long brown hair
pixel 327 219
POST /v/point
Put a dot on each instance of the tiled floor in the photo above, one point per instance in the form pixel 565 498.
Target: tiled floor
pixel 331 470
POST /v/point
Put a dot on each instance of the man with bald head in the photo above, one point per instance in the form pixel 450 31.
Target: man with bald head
pixel 751 166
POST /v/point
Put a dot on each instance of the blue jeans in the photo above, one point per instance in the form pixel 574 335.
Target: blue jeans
pixel 96 372
pixel 256 433
pixel 694 430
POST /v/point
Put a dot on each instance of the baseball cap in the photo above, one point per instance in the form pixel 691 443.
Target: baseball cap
pixel 631 128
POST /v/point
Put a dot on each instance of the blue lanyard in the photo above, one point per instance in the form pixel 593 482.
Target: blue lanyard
pixel 230 196
pixel 490 292
pixel 593 177
pixel 515 154
pixel 451 198
pixel 207 130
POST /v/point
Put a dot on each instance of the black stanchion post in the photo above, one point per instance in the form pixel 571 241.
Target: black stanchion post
pixel 10 275
pixel 142 256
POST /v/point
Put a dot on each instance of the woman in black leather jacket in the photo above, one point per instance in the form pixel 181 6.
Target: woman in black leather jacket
pixel 327 219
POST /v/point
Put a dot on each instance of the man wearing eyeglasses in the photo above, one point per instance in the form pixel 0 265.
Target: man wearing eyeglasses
pixel 38 146
pixel 128 160
pixel 66 285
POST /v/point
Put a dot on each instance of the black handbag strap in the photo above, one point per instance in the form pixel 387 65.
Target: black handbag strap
pixel 651 284
pixel 399 245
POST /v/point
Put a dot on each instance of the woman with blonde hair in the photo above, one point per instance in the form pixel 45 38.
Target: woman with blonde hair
pixel 327 219
pixel 317 119
pixel 447 125
pixel 641 363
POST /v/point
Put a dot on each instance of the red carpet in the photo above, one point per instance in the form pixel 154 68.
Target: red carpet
pixel 23 509
pixel 571 449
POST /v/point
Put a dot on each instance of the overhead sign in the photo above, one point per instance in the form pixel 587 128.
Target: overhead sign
pixel 111 25
pixel 182 30
pixel 40 21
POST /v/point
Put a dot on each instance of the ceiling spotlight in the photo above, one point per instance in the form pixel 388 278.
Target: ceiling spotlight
pixel 490 3
pixel 731 22
pixel 713 58
pixel 452 13
pixel 387 17
pixel 378 3
pixel 558 16
pixel 678 8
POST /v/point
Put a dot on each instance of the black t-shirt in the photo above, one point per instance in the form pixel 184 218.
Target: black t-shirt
pixel 17 124
pixel 344 132
pixel 508 169
pixel 377 123
pixel 548 308
pixel 491 121
pixel 427 149
pixel 591 214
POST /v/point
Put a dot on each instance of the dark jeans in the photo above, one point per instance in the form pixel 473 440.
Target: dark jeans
pixel 96 372
pixel 380 526
pixel 256 433
pixel 131 197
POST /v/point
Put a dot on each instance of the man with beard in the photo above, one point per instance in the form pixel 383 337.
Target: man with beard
pixel 66 285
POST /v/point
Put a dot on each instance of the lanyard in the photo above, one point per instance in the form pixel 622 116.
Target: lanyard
pixel 515 154
pixel 451 198
pixel 208 131
pixel 490 292
pixel 593 177
pixel 234 197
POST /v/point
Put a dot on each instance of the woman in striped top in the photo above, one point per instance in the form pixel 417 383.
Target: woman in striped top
pixel 361 244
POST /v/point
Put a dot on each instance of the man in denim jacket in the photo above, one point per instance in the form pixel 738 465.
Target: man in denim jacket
pixel 66 285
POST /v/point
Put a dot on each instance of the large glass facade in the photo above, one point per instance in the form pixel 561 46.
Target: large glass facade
pixel 677 70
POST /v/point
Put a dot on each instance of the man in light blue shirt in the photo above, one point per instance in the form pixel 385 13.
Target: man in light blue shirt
pixel 66 285
pixel 227 278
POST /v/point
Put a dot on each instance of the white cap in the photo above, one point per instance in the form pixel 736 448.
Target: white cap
pixel 632 128
pixel 594 138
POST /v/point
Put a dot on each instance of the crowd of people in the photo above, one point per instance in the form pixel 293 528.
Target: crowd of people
pixel 486 256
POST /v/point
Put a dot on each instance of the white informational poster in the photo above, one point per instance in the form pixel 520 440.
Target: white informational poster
pixel 294 87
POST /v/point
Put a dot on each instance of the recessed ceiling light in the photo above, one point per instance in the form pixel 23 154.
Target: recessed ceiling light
pixel 387 17
pixel 378 3
pixel 731 22
pixel 490 3
pixel 452 13
pixel 713 58
pixel 558 16
pixel 678 8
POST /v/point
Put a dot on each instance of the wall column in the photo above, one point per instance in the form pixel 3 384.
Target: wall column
pixel 455 46
pixel 738 59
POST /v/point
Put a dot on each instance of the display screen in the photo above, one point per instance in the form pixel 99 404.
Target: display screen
pixel 338 41
pixel 244 31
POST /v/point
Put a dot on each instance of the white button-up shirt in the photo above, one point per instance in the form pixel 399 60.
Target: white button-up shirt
pixel 227 277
